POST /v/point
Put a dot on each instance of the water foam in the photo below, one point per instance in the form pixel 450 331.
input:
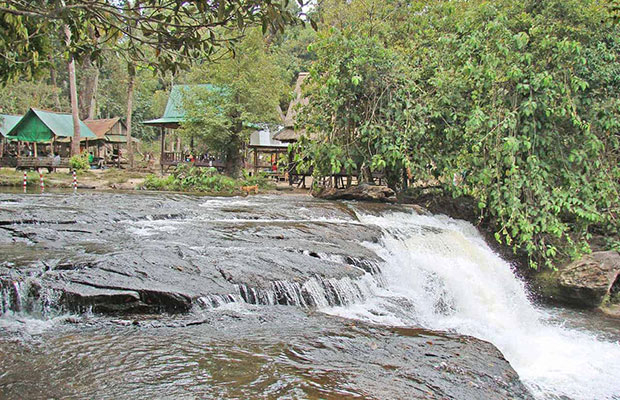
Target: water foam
pixel 441 275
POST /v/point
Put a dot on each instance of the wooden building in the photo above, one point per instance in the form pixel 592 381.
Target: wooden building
pixel 42 134
pixel 111 138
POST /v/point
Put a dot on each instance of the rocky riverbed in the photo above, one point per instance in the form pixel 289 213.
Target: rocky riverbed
pixel 187 296
pixel 148 295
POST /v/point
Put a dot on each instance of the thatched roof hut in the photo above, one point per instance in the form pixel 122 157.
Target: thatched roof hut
pixel 289 134
pixel 111 130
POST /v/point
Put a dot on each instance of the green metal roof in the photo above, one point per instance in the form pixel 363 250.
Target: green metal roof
pixel 119 139
pixel 41 126
pixel 7 122
pixel 175 113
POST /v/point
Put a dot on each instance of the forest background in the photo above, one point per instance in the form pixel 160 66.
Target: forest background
pixel 514 105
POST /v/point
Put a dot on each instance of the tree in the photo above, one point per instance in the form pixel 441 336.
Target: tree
pixel 245 92
pixel 357 110
pixel 513 104
pixel 178 32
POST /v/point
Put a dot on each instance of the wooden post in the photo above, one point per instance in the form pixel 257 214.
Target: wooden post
pixel 35 150
pixel 163 148
pixel 255 161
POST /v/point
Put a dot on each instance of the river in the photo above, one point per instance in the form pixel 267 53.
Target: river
pixel 171 296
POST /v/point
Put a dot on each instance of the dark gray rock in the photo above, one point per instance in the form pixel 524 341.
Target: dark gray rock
pixel 587 282
pixel 363 192
pixel 282 351
pixel 144 253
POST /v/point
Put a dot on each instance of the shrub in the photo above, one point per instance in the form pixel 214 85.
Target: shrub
pixel 79 162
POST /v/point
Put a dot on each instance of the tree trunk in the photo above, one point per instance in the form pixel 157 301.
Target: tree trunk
pixel 54 84
pixel 92 109
pixel 130 87
pixel 88 90
pixel 75 141
pixel 232 156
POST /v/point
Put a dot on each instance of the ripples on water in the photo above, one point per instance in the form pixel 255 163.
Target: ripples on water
pixel 437 274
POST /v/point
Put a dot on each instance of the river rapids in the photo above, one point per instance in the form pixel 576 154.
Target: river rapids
pixel 170 296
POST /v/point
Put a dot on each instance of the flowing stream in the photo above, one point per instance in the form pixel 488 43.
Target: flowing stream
pixel 440 274
pixel 395 290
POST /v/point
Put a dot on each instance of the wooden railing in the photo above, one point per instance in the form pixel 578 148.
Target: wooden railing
pixel 176 158
pixel 41 162
pixel 8 161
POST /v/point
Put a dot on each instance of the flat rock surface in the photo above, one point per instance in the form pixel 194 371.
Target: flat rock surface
pixel 158 271
pixel 166 251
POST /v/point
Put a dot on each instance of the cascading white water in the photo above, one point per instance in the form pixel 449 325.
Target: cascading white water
pixel 440 274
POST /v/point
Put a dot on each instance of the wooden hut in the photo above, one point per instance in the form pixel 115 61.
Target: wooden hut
pixel 289 134
pixel 41 134
pixel 173 116
pixel 8 151
pixel 266 150
pixel 111 137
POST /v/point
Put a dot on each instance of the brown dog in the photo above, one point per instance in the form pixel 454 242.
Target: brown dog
pixel 248 189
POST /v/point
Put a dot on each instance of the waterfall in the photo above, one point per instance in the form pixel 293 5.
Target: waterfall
pixel 315 292
pixel 440 274
pixel 28 297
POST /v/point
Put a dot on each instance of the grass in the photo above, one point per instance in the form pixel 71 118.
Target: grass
pixel 11 177
pixel 204 180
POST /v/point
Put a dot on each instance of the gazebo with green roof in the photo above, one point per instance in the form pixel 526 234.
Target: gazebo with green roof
pixel 39 126
pixel 173 116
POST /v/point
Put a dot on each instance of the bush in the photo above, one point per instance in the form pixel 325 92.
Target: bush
pixel 188 178
pixel 79 162
pixel 153 182
pixel 261 179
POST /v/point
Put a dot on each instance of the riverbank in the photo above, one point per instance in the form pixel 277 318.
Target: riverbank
pixel 125 180
pixel 97 179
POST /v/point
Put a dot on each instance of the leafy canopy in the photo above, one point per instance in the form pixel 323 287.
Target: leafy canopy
pixel 514 104
pixel 177 31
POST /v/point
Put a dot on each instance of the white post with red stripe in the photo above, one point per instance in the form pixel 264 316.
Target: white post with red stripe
pixel 41 181
pixel 25 180
pixel 74 181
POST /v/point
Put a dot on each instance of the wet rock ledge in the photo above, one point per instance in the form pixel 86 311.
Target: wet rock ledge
pixel 143 254
pixel 590 282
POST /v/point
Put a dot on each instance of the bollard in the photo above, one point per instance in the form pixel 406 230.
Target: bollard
pixel 74 181
pixel 41 181
pixel 25 180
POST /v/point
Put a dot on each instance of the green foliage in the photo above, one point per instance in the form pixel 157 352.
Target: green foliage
pixel 358 108
pixel 79 162
pixel 246 92
pixel 512 103
pixel 187 178
pixel 21 95
pixel 167 35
